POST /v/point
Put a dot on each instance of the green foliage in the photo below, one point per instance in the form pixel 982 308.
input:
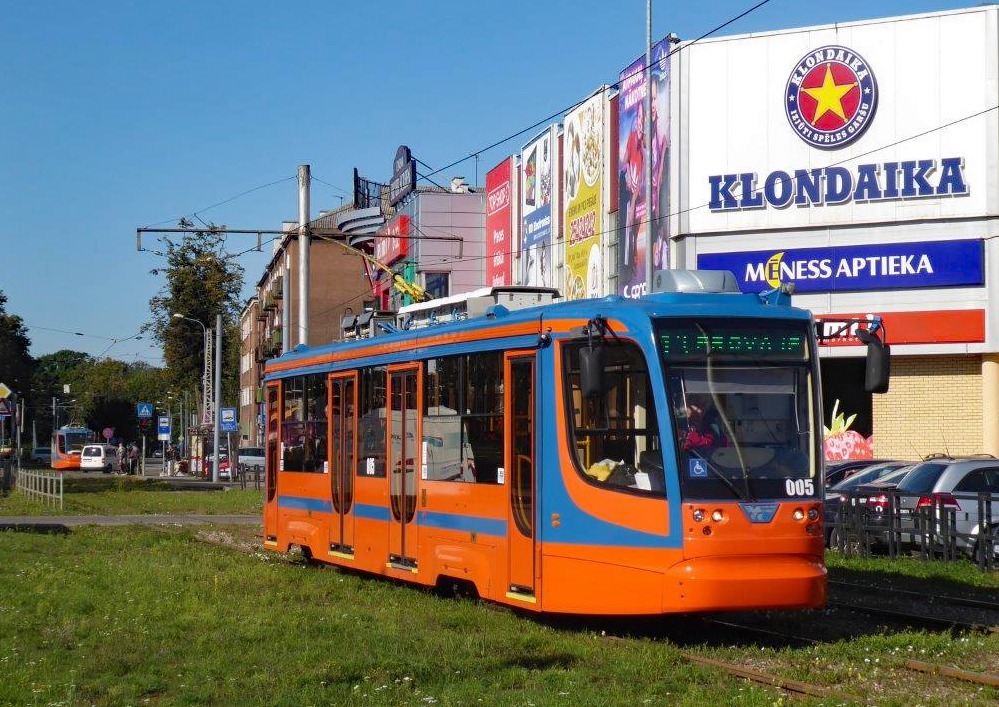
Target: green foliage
pixel 16 364
pixel 200 284
pixel 105 391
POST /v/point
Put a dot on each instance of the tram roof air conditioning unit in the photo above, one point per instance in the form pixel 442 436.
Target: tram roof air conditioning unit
pixel 470 305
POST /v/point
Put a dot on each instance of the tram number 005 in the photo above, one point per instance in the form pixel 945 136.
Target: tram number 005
pixel 799 487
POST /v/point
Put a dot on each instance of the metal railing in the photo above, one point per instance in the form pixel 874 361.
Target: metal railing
pixel 951 527
pixel 246 473
pixel 46 486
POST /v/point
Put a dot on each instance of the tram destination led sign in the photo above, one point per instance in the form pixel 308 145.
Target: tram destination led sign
pixel 735 341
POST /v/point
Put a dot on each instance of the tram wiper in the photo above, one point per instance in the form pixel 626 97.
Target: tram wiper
pixel 736 491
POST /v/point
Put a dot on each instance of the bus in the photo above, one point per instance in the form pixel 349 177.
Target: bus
pixel 549 455
pixel 67 443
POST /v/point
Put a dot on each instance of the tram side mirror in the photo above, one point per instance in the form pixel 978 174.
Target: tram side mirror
pixel 878 368
pixel 591 371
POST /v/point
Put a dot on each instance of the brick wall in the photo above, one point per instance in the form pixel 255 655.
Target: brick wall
pixel 934 405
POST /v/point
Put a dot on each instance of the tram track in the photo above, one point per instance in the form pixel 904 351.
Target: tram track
pixel 916 620
pixel 795 688
pixel 936 599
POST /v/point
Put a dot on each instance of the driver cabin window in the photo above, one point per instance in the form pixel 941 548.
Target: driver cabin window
pixel 615 432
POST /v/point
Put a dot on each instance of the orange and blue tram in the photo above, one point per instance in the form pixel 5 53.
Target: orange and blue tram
pixel 603 457
pixel 67 444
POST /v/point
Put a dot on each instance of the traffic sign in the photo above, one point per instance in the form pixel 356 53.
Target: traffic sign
pixel 144 410
pixel 4 391
pixel 163 428
pixel 5 410
pixel 227 420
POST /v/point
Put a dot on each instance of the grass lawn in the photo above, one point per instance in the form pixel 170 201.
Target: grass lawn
pixel 129 495
pixel 136 615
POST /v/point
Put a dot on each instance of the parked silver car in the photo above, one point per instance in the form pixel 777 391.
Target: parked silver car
pixel 945 488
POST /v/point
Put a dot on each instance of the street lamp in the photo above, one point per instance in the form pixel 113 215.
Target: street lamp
pixel 218 384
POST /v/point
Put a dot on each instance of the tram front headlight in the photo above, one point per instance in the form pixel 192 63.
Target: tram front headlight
pixel 813 513
pixel 718 516
pixel 798 514
pixel 698 515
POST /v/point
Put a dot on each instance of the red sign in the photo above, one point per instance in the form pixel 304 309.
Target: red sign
pixel 952 326
pixel 108 433
pixel 499 224
pixel 391 242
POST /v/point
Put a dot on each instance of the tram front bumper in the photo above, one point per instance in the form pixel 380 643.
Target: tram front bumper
pixel 729 583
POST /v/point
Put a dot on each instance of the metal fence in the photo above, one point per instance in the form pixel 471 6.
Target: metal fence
pixel 944 526
pixel 253 475
pixel 44 485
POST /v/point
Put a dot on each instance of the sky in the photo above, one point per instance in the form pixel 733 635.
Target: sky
pixel 117 114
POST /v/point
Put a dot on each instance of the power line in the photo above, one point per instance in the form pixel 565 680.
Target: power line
pixel 565 110
pixel 223 202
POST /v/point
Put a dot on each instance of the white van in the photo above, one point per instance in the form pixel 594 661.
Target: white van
pixel 98 457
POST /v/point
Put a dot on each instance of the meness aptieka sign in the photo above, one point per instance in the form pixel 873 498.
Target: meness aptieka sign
pixel 866 267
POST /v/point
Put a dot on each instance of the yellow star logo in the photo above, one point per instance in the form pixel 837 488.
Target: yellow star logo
pixel 829 96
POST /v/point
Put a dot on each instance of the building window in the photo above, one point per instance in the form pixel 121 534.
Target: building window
pixel 438 284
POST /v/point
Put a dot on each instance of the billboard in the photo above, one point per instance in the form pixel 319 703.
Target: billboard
pixel 582 187
pixel 636 218
pixel 825 126
pixel 891 266
pixel 499 222
pixel 391 242
pixel 944 326
pixel 537 166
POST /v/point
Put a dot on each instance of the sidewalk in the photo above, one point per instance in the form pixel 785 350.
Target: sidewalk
pixel 57 523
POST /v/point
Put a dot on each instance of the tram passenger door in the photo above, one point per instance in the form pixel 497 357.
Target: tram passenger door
pixel 520 461
pixel 273 451
pixel 404 459
pixel 343 433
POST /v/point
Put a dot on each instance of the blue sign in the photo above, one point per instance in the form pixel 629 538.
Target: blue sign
pixel 163 428
pixel 884 266
pixel 697 468
pixel 144 410
pixel 227 420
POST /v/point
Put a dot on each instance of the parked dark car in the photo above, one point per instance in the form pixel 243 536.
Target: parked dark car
pixel 862 507
pixel 837 471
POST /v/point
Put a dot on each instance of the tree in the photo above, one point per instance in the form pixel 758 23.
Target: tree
pixel 52 372
pixel 16 364
pixel 200 284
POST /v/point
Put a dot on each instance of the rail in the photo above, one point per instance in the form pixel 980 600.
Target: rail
pixel 47 486
pixel 250 473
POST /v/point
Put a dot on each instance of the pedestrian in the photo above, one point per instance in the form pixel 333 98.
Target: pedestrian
pixel 121 456
pixel 133 459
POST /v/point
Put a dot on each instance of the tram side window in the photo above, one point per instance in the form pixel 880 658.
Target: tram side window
pixel 372 421
pixel 615 434
pixel 304 427
pixel 463 418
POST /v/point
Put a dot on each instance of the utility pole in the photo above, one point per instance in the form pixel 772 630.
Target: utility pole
pixel 304 185
pixel 218 395
pixel 649 197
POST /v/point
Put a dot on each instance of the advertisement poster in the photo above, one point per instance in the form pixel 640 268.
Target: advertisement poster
pixel 537 164
pixel 583 165
pixel 499 188
pixel 635 216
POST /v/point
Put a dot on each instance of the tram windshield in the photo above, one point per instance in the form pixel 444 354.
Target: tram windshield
pixel 70 441
pixel 741 394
